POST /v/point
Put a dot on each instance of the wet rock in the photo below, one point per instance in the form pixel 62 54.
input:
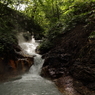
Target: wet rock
pixel 56 66
pixel 91 85
pixel 27 36
pixel 22 62
pixel 73 55
pixel 83 72
pixel 15 63
pixel 82 89
pixel 65 85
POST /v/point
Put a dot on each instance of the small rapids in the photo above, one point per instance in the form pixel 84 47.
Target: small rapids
pixel 31 83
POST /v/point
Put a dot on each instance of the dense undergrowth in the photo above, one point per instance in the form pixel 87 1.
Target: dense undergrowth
pixel 74 13
pixel 11 23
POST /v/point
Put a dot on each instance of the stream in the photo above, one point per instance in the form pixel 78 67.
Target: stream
pixel 31 83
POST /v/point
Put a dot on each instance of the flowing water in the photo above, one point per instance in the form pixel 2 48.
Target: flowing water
pixel 31 83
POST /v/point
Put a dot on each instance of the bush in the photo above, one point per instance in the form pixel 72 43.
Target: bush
pixel 7 41
pixel 74 13
pixel 45 46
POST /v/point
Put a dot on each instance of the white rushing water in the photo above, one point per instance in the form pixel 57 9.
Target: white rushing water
pixel 31 83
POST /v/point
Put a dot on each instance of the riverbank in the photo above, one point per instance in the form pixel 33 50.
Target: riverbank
pixel 73 55
pixel 15 63
pixel 70 86
pixel 14 69
pixel 12 60
pixel 65 85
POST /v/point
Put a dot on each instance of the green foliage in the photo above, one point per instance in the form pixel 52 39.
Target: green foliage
pixel 49 12
pixel 15 4
pixel 51 16
pixel 78 11
pixel 45 46
pixel 6 43
pixel 73 12
pixel 51 35
pixel 92 35
pixel 7 38
pixel 54 31
pixel 44 12
pixel 12 22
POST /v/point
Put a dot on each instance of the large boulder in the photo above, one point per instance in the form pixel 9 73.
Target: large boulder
pixel 56 66
pixel 15 63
